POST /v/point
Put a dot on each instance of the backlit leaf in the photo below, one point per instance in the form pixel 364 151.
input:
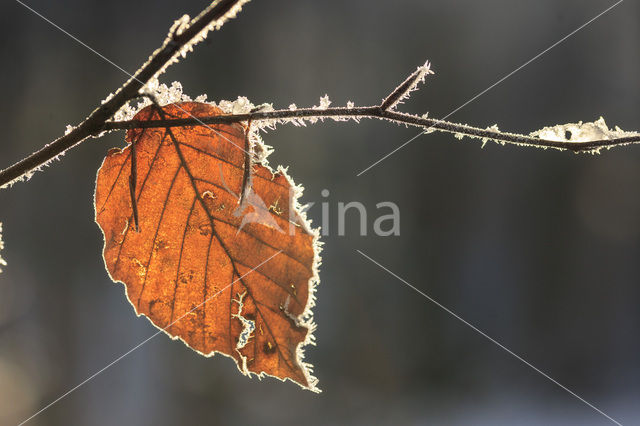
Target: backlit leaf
pixel 190 266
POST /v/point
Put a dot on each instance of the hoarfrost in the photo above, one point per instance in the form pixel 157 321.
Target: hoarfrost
pixel 2 261
pixel 493 128
pixel 241 105
pixel 248 325
pixel 581 132
pixel 410 84
pixel 182 24
pixel 578 133
pixel 324 102
pixel 29 174
pixel 164 94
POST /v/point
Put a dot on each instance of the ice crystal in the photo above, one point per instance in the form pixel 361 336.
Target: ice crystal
pixel 161 92
pixel 324 102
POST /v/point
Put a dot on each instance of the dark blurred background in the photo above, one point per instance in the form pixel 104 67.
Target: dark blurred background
pixel 540 249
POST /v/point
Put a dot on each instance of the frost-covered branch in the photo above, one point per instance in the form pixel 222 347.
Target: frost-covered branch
pixel 183 35
pixel 588 137
pixel 576 137
pixel 406 87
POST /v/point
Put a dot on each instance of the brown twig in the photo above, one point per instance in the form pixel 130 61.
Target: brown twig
pixel 377 112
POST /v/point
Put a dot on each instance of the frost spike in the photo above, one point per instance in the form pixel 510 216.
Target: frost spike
pixel 409 85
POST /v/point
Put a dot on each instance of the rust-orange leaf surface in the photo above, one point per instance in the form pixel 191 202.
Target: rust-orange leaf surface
pixel 223 278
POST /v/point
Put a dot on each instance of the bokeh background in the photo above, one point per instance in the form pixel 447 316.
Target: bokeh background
pixel 540 249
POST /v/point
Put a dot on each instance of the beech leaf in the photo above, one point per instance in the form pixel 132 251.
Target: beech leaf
pixel 196 265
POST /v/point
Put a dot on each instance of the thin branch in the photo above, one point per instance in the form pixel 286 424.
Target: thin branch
pixel 377 112
pixel 182 36
pixel 406 87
